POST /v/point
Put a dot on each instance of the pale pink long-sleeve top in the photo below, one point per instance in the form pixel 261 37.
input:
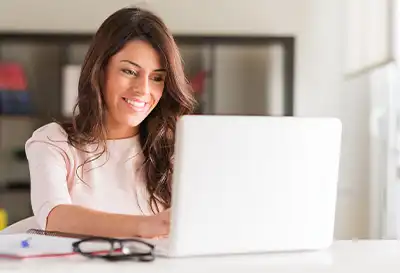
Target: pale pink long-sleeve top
pixel 112 183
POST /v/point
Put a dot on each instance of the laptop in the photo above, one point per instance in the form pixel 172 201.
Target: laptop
pixel 252 184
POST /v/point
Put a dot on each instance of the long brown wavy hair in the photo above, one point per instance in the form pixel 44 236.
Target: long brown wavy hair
pixel 157 131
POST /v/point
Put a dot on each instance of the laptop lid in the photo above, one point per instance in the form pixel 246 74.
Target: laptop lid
pixel 254 184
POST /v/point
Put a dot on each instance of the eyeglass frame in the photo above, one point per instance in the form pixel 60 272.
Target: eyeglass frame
pixel 144 257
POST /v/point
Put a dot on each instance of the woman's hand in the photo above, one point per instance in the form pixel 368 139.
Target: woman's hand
pixel 155 226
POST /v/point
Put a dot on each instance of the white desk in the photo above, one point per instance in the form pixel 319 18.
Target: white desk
pixel 343 256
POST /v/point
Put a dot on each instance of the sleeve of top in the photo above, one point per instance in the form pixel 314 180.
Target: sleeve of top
pixel 48 157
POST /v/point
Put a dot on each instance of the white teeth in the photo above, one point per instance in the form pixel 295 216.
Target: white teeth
pixel 135 103
pixel 138 104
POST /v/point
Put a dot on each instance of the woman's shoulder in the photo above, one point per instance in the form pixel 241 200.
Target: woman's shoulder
pixel 49 142
pixel 49 132
pixel 48 136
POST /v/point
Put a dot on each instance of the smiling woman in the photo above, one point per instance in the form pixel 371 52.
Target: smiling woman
pixel 107 172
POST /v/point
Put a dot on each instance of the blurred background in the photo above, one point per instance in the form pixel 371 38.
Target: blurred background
pixel 335 58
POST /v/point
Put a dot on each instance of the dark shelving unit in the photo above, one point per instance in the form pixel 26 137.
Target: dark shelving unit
pixel 65 40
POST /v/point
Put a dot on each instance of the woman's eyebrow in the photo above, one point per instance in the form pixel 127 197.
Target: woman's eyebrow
pixel 135 64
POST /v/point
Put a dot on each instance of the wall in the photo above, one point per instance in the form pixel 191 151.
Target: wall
pixel 320 87
pixel 207 16
pixel 323 90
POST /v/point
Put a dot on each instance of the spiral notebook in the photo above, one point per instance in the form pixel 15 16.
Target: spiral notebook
pixel 56 234
pixel 36 243
pixel 26 245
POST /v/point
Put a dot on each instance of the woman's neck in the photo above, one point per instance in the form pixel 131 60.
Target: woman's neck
pixel 115 131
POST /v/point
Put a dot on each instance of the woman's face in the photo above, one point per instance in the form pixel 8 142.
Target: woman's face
pixel 134 84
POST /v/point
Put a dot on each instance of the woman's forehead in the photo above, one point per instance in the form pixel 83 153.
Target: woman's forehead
pixel 140 53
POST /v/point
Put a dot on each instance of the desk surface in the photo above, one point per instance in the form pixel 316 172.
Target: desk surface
pixel 343 255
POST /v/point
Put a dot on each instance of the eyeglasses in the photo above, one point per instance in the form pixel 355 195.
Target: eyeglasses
pixel 112 249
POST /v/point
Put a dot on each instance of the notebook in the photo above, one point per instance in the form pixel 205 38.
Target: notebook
pixel 25 245
pixel 37 243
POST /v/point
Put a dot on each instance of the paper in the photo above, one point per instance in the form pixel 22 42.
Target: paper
pixel 38 245
pixel 70 80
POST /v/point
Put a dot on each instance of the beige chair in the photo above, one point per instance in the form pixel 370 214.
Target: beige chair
pixel 21 226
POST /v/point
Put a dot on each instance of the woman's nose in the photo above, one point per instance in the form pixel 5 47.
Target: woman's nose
pixel 143 86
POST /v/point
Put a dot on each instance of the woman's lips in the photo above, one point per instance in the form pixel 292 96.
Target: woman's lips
pixel 136 104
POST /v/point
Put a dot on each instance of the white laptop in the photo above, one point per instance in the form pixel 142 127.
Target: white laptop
pixel 247 184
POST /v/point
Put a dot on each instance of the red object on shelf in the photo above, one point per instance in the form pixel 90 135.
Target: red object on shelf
pixel 198 81
pixel 12 77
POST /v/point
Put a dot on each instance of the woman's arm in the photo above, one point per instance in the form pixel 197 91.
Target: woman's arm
pixel 50 163
pixel 80 220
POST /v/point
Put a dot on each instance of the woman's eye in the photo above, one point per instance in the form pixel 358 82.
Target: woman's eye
pixel 129 72
pixel 158 78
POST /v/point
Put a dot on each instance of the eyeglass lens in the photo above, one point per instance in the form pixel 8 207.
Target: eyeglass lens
pixel 104 247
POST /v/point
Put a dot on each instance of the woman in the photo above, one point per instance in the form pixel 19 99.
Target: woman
pixel 108 171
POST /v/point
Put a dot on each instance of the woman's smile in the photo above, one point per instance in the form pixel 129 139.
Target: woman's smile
pixel 136 105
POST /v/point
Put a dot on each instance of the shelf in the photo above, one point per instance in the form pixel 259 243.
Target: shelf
pixel 18 117
pixel 31 117
pixel 17 186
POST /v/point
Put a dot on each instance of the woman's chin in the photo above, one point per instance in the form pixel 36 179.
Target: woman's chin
pixel 133 120
pixel 130 118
